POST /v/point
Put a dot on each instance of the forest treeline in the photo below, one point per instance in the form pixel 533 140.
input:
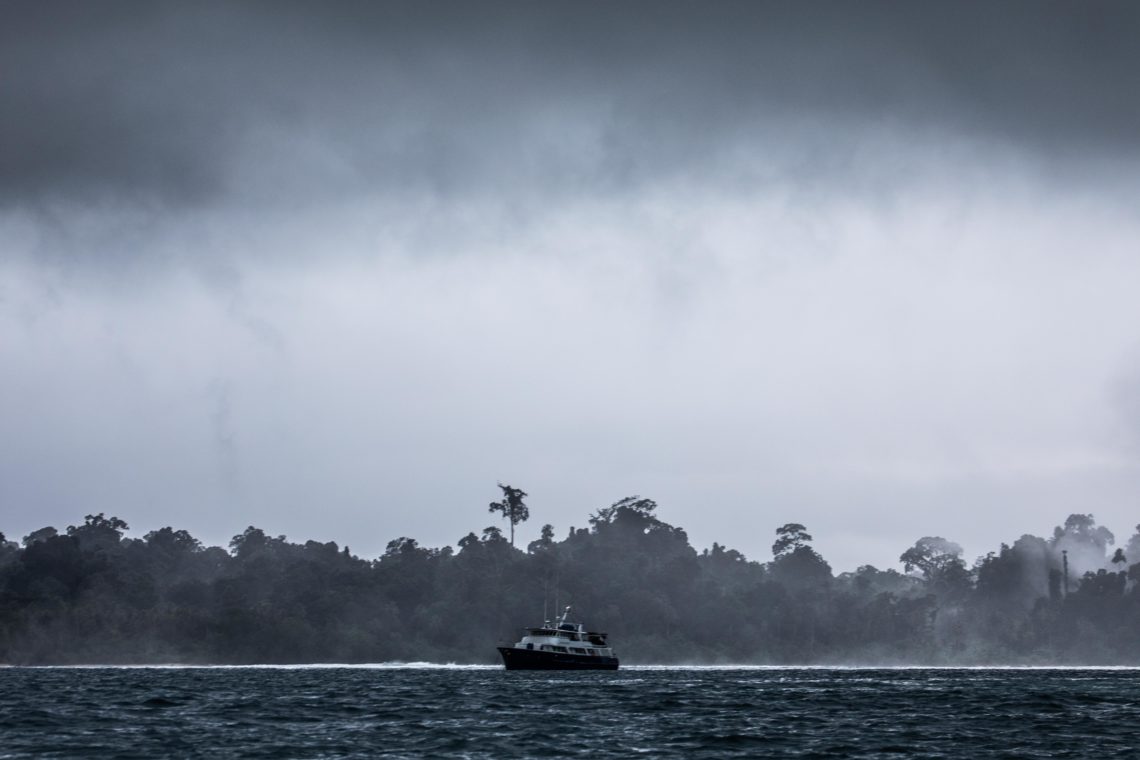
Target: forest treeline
pixel 89 594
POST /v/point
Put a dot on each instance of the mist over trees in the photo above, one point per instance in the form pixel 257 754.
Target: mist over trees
pixel 89 594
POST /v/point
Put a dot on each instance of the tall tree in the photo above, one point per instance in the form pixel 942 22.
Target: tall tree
pixel 940 562
pixel 795 564
pixel 789 538
pixel 512 507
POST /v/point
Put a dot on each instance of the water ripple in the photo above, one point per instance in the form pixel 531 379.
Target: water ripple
pixel 490 713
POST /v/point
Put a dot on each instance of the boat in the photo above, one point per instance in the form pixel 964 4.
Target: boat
pixel 562 646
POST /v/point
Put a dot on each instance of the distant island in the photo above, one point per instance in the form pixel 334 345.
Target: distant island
pixel 89 595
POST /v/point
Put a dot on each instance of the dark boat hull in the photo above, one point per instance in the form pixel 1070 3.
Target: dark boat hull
pixel 533 659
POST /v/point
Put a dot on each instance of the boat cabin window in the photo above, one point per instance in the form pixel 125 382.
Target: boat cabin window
pixel 577 650
pixel 529 645
pixel 560 649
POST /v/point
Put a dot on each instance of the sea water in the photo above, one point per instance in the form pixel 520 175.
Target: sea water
pixel 410 711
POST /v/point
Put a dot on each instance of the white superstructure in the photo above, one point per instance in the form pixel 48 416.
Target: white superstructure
pixel 563 638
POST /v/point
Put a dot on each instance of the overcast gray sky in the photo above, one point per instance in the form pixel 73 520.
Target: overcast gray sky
pixel 333 270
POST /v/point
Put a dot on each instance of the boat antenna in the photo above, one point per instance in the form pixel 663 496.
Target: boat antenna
pixel 564 614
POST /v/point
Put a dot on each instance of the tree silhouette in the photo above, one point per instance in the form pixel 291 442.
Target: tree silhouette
pixel 1082 529
pixel 629 506
pixel 43 534
pixel 940 562
pixel 512 507
pixel 931 554
pixel 789 538
pixel 93 595
pixel 544 542
pixel 98 531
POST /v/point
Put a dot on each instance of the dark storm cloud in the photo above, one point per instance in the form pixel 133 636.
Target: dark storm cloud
pixel 180 103
pixel 866 266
